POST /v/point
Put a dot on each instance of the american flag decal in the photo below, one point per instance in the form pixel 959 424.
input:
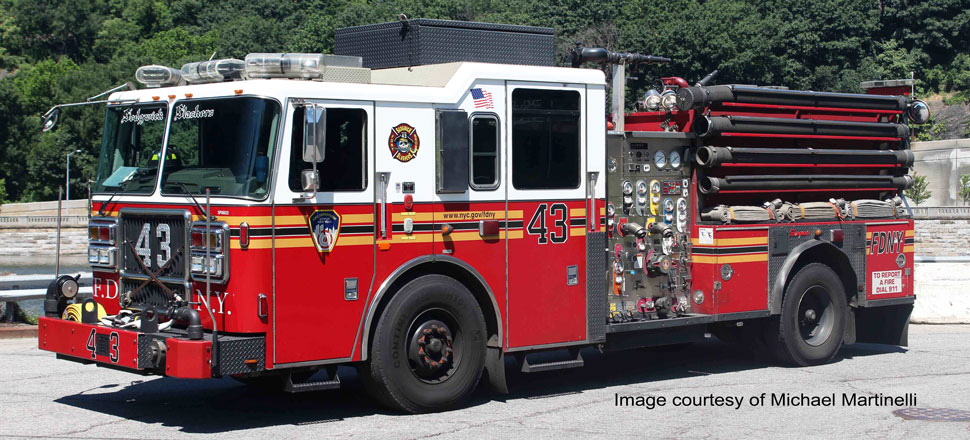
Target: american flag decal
pixel 482 99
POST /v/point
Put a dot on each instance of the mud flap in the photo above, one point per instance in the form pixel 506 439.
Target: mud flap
pixel 883 325
pixel 495 366
pixel 849 336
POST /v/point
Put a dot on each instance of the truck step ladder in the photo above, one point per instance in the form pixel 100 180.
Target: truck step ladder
pixel 575 362
pixel 318 385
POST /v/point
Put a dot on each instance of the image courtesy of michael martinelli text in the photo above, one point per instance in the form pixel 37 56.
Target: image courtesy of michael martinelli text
pixel 767 400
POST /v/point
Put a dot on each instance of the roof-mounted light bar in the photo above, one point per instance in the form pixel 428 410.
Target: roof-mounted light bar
pixel 158 76
pixel 295 65
pixel 226 69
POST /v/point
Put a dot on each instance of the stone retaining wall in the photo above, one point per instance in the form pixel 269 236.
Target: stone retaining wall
pixel 943 237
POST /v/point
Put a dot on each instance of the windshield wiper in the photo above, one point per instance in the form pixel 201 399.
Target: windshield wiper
pixel 197 204
pixel 101 211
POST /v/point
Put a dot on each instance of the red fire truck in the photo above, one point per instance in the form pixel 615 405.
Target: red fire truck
pixel 275 216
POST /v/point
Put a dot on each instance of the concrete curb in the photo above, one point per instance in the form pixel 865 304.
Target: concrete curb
pixel 13 331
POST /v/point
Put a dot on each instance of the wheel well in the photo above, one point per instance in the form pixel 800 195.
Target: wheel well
pixel 459 273
pixel 831 257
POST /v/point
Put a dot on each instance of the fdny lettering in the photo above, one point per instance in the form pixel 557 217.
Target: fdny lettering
pixel 220 298
pixel 886 242
pixel 105 288
pixel 794 233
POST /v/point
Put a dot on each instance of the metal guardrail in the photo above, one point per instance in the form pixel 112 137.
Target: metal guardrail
pixel 15 288
pixel 25 294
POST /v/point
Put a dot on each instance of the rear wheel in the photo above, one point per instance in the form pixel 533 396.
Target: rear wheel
pixel 811 326
pixel 429 346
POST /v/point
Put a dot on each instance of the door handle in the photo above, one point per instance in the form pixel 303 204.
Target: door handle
pixel 383 178
pixel 591 213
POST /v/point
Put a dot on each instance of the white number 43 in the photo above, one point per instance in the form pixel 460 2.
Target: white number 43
pixel 164 234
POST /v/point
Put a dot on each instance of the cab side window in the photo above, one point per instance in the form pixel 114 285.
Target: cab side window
pixel 346 151
pixel 545 139
pixel 484 150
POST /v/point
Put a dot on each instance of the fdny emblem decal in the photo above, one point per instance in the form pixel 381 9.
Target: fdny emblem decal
pixel 404 142
pixel 325 229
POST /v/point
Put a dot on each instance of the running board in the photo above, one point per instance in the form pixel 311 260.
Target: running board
pixel 318 385
pixel 550 366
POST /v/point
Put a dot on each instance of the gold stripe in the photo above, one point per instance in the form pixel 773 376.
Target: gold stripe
pixel 440 216
pixel 577 232
pixel 746 241
pixel 577 212
pixel 721 259
pixel 868 235
pixel 909 233
pixel 415 216
pixel 602 211
pixel 908 248
pixel 413 238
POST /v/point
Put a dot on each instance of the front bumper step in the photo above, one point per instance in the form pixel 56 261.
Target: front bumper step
pixel 168 353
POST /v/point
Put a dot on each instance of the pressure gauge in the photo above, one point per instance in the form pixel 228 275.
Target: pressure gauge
pixel 610 209
pixel 655 187
pixel 612 165
pixel 627 187
pixel 642 188
pixel 674 159
pixel 668 205
pixel 659 159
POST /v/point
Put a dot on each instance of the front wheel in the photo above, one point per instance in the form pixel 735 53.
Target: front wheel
pixel 429 346
pixel 811 326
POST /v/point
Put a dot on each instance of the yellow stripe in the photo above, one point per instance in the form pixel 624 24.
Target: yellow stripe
pixel 473 236
pixel 909 233
pixel 602 211
pixel 908 248
pixel 721 259
pixel 747 241
pixel 415 216
pixel 413 238
pixel 577 212
pixel 577 232
pixel 868 235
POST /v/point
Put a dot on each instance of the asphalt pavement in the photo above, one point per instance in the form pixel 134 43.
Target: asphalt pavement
pixel 700 386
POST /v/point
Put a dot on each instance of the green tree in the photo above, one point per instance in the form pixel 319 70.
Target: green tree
pixel 919 193
pixel 963 188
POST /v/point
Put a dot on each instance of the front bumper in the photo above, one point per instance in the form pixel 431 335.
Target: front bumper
pixel 164 353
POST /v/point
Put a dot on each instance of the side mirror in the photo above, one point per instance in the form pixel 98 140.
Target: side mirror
pixel 314 133
pixel 308 180
pixel 50 119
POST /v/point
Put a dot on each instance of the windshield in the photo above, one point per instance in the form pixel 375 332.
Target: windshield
pixel 130 149
pixel 225 145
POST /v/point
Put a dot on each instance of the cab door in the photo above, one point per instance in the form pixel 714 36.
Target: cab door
pixel 546 190
pixel 324 245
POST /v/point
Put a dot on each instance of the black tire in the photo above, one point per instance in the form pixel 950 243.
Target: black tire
pixel 434 312
pixel 811 326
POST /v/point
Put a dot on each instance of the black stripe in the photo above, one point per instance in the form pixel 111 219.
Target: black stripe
pixel 356 229
pixel 418 227
pixel 577 222
pixel 729 250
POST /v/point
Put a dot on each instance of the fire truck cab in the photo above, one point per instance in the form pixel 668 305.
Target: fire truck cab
pixel 295 212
